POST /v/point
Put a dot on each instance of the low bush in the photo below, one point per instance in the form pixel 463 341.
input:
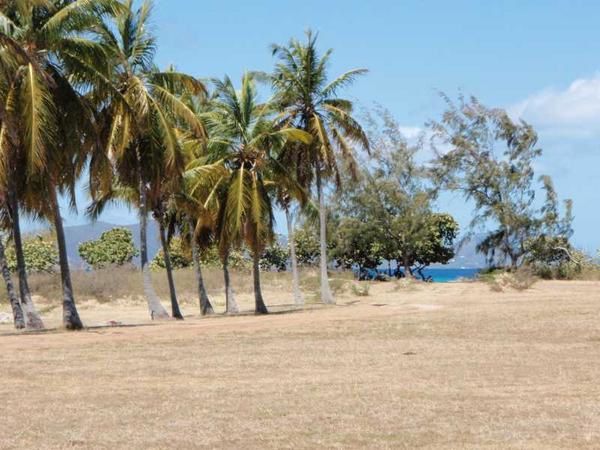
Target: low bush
pixel 360 290
pixel 500 280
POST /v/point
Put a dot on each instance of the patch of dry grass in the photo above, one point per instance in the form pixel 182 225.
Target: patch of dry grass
pixel 441 366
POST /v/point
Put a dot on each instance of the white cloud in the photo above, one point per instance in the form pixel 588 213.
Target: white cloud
pixel 411 133
pixel 573 112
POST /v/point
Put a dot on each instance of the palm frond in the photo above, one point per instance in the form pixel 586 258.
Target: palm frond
pixel 179 109
pixel 80 14
pixel 37 114
pixel 344 80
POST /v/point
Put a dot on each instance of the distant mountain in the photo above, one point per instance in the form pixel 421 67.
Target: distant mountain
pixel 467 256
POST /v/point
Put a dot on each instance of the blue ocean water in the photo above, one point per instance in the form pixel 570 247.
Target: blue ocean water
pixel 443 275
pixel 446 275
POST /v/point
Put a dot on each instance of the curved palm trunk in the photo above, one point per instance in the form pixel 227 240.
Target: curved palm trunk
pixel 259 303
pixel 298 298
pixel 326 296
pixel 231 306
pixel 32 318
pixel 19 319
pixel 205 305
pixel 175 311
pixel 71 319
pixel 155 307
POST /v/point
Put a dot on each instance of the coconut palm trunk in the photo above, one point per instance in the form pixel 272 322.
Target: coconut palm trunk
pixel 71 319
pixel 19 319
pixel 259 302
pixel 326 296
pixel 231 306
pixel 156 309
pixel 175 311
pixel 206 308
pixel 298 298
pixel 32 318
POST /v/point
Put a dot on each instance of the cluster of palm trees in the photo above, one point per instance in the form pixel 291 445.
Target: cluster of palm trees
pixel 80 95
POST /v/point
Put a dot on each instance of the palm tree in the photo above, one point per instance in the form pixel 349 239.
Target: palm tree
pixel 204 187
pixel 244 137
pixel 47 55
pixel 307 100
pixel 32 318
pixel 18 317
pixel 198 204
pixel 143 110
pixel 288 190
pixel 164 241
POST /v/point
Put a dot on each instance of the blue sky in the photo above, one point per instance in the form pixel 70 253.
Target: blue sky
pixel 538 59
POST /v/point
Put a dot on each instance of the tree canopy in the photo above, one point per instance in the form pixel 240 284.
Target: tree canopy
pixel 489 158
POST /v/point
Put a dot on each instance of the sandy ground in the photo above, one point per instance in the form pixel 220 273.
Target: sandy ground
pixel 432 366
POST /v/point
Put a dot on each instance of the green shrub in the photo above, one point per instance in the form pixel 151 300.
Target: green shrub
pixel 113 248
pixel 275 257
pixel 575 265
pixel 500 280
pixel 40 252
pixel 181 256
pixel 307 246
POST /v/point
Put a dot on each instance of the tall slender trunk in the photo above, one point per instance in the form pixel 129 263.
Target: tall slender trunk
pixel 19 319
pixel 71 319
pixel 155 308
pixel 205 305
pixel 231 306
pixel 407 269
pixel 326 296
pixel 32 318
pixel 514 262
pixel 259 303
pixel 167 258
pixel 298 298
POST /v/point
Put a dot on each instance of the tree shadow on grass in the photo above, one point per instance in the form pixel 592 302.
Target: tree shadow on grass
pixel 278 310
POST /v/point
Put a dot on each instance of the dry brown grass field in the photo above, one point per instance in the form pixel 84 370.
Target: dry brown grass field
pixel 409 366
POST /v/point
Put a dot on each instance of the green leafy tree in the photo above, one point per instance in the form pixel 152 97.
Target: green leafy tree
pixel 307 246
pixel 550 253
pixel 357 243
pixel 274 257
pixel 437 244
pixel 41 255
pixel 114 248
pixel 490 159
pixel 391 204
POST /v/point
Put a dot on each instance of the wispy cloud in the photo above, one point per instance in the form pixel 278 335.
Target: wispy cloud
pixel 411 133
pixel 571 112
